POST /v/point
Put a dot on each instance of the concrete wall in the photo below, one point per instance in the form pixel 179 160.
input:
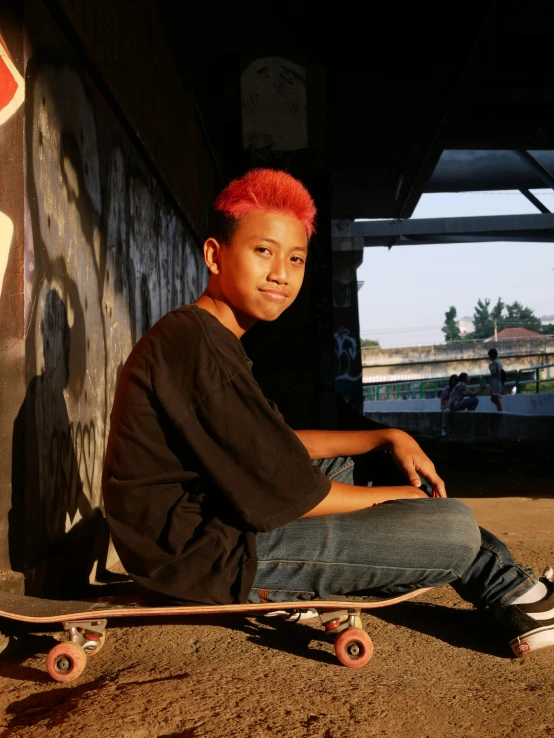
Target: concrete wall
pixel 129 50
pixel 472 425
pixel 453 358
pixel 99 251
pixel 536 404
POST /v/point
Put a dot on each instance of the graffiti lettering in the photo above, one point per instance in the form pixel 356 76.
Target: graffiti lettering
pixel 106 255
pixel 346 351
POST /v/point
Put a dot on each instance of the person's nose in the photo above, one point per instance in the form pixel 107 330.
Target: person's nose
pixel 279 270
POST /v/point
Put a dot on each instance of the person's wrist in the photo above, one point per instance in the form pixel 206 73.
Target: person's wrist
pixel 392 436
pixel 409 492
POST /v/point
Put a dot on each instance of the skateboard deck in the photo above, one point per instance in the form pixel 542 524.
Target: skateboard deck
pixel 85 621
pixel 37 610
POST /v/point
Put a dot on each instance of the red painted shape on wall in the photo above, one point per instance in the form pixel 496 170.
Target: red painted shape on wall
pixel 12 90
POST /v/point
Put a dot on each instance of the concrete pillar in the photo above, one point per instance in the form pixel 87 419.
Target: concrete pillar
pixel 348 255
pixel 293 357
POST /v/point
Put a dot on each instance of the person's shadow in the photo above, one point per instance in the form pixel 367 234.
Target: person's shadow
pixel 55 554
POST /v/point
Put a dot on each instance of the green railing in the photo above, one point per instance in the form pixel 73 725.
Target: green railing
pixel 520 381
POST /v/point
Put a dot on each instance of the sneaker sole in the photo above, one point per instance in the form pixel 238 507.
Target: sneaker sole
pixel 534 640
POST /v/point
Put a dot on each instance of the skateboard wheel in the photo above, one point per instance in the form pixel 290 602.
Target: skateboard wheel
pixel 95 650
pixel 353 648
pixel 66 661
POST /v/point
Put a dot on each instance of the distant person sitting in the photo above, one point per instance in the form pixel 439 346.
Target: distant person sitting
pixel 461 396
pixel 445 397
pixel 495 382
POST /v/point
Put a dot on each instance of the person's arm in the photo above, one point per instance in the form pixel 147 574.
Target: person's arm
pixel 406 452
pixel 328 444
pixel 343 498
pixel 467 392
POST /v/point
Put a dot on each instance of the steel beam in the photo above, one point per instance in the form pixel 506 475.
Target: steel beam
pixel 534 227
pixel 535 201
pixel 537 167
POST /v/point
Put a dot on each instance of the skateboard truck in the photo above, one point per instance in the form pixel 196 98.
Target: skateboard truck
pixel 89 634
pixel 338 620
pixel 67 660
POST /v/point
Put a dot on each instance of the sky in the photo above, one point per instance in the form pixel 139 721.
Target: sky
pixel 408 289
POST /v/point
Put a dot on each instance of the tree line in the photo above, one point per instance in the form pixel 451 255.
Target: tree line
pixel 486 319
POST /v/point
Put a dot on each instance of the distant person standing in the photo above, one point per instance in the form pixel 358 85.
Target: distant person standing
pixel 445 396
pixel 461 397
pixel 495 382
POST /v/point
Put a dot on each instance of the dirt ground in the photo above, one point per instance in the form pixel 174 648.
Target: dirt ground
pixel 440 669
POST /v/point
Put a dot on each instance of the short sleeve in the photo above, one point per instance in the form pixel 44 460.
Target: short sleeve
pixel 252 456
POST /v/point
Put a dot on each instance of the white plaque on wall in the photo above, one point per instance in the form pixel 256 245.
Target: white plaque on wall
pixel 273 92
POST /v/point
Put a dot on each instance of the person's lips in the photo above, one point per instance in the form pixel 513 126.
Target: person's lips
pixel 275 295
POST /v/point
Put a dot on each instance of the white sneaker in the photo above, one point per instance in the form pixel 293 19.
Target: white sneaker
pixel 531 626
pixel 292 616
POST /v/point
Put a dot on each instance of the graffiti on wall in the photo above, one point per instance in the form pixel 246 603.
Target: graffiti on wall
pixel 348 365
pixel 347 353
pixel 12 93
pixel 11 254
pixel 106 255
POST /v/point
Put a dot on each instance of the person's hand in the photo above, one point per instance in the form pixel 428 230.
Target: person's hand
pixel 410 458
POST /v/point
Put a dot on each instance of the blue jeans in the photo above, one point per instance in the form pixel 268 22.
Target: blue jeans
pixel 391 548
pixel 468 403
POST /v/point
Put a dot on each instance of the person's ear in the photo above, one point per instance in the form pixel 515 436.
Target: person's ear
pixel 212 250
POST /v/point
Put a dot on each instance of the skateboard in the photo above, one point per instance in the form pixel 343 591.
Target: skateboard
pixel 84 622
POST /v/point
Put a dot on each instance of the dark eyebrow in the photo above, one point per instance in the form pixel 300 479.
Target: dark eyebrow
pixel 272 240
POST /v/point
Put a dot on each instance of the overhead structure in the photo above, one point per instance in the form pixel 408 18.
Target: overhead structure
pixel 372 105
pixel 354 235
pixel 379 93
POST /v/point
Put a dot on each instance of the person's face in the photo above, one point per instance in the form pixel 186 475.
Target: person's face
pixel 260 273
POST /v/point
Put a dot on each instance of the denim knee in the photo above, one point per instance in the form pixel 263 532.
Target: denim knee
pixel 462 532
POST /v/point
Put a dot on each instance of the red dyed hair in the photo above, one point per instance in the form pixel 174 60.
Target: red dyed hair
pixel 267 191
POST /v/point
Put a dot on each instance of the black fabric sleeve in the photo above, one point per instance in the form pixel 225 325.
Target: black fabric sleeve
pixel 253 457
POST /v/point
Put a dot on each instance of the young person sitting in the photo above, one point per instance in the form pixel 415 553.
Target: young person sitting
pixel 461 396
pixel 212 498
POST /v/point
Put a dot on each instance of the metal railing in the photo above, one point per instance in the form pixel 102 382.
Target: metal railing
pixel 518 381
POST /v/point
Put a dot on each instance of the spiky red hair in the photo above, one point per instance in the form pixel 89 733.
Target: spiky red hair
pixel 270 191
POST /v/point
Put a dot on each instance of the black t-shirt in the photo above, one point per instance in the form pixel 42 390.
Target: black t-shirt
pixel 198 461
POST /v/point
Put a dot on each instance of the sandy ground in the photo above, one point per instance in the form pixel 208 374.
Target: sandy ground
pixel 440 669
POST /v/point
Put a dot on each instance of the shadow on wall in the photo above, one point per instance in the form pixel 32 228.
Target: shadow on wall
pixel 55 536
pixel 107 253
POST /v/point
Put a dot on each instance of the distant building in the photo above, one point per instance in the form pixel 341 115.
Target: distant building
pixel 465 325
pixel 509 334
pixel 547 319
